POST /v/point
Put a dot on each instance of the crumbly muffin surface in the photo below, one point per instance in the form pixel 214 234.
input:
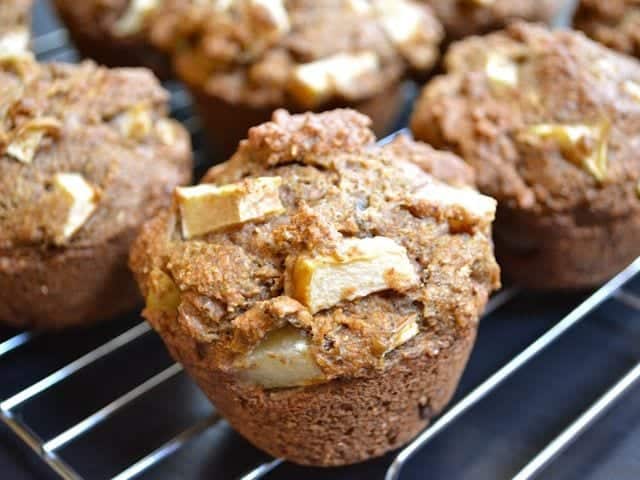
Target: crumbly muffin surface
pixel 550 121
pixel 616 23
pixel 247 51
pixel 468 17
pixel 336 185
pixel 14 13
pixel 76 137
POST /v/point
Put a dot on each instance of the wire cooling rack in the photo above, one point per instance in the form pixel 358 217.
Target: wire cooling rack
pixel 108 342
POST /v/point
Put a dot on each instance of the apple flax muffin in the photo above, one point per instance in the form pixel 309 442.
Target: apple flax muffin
pixel 616 23
pixel 86 155
pixel 15 31
pixel 114 32
pixel 242 59
pixel 551 123
pixel 323 291
pixel 462 18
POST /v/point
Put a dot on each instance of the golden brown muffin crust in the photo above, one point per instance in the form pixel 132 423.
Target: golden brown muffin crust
pixel 86 155
pixel 336 184
pixel 563 79
pixel 108 126
pixel 221 49
pixel 616 23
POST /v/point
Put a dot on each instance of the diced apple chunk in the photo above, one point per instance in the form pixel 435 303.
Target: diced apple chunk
pixel 219 5
pixel 402 335
pixel 136 123
pixel 358 268
pixel 405 23
pixel 276 13
pixel 163 294
pixel 24 147
pixel 401 20
pixel 167 131
pixel 633 89
pixel 26 140
pixel 283 359
pixel 316 82
pixel 405 333
pixel 132 21
pixel 583 145
pixel 501 70
pixel 459 206
pixel 359 6
pixel 207 208
pixel 81 198
pixel 14 43
pixel 564 133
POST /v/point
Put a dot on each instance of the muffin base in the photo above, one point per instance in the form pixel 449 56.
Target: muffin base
pixel 228 123
pixel 336 423
pixel 67 287
pixel 553 252
pixel 111 50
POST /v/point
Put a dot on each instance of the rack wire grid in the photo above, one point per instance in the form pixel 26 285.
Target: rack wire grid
pixel 538 380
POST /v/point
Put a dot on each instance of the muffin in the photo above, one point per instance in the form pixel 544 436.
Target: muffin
pixel 551 123
pixel 462 18
pixel 323 291
pixel 86 155
pixel 243 59
pixel 615 23
pixel 114 32
pixel 15 19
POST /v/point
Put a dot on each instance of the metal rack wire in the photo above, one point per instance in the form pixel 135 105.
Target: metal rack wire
pixel 50 46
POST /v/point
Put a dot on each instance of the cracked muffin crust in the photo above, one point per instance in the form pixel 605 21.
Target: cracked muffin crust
pixel 86 155
pixel 15 28
pixel 551 123
pixel 322 290
pixel 242 59
pixel 114 32
pixel 615 23
pixel 462 18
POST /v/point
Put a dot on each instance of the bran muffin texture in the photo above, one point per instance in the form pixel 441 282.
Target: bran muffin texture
pixel 243 59
pixel 550 121
pixel 615 23
pixel 86 155
pixel 218 297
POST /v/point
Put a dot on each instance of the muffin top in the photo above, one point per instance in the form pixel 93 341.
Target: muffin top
pixel 549 120
pixel 467 17
pixel 316 248
pixel 302 53
pixel 85 152
pixel 15 16
pixel 616 23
